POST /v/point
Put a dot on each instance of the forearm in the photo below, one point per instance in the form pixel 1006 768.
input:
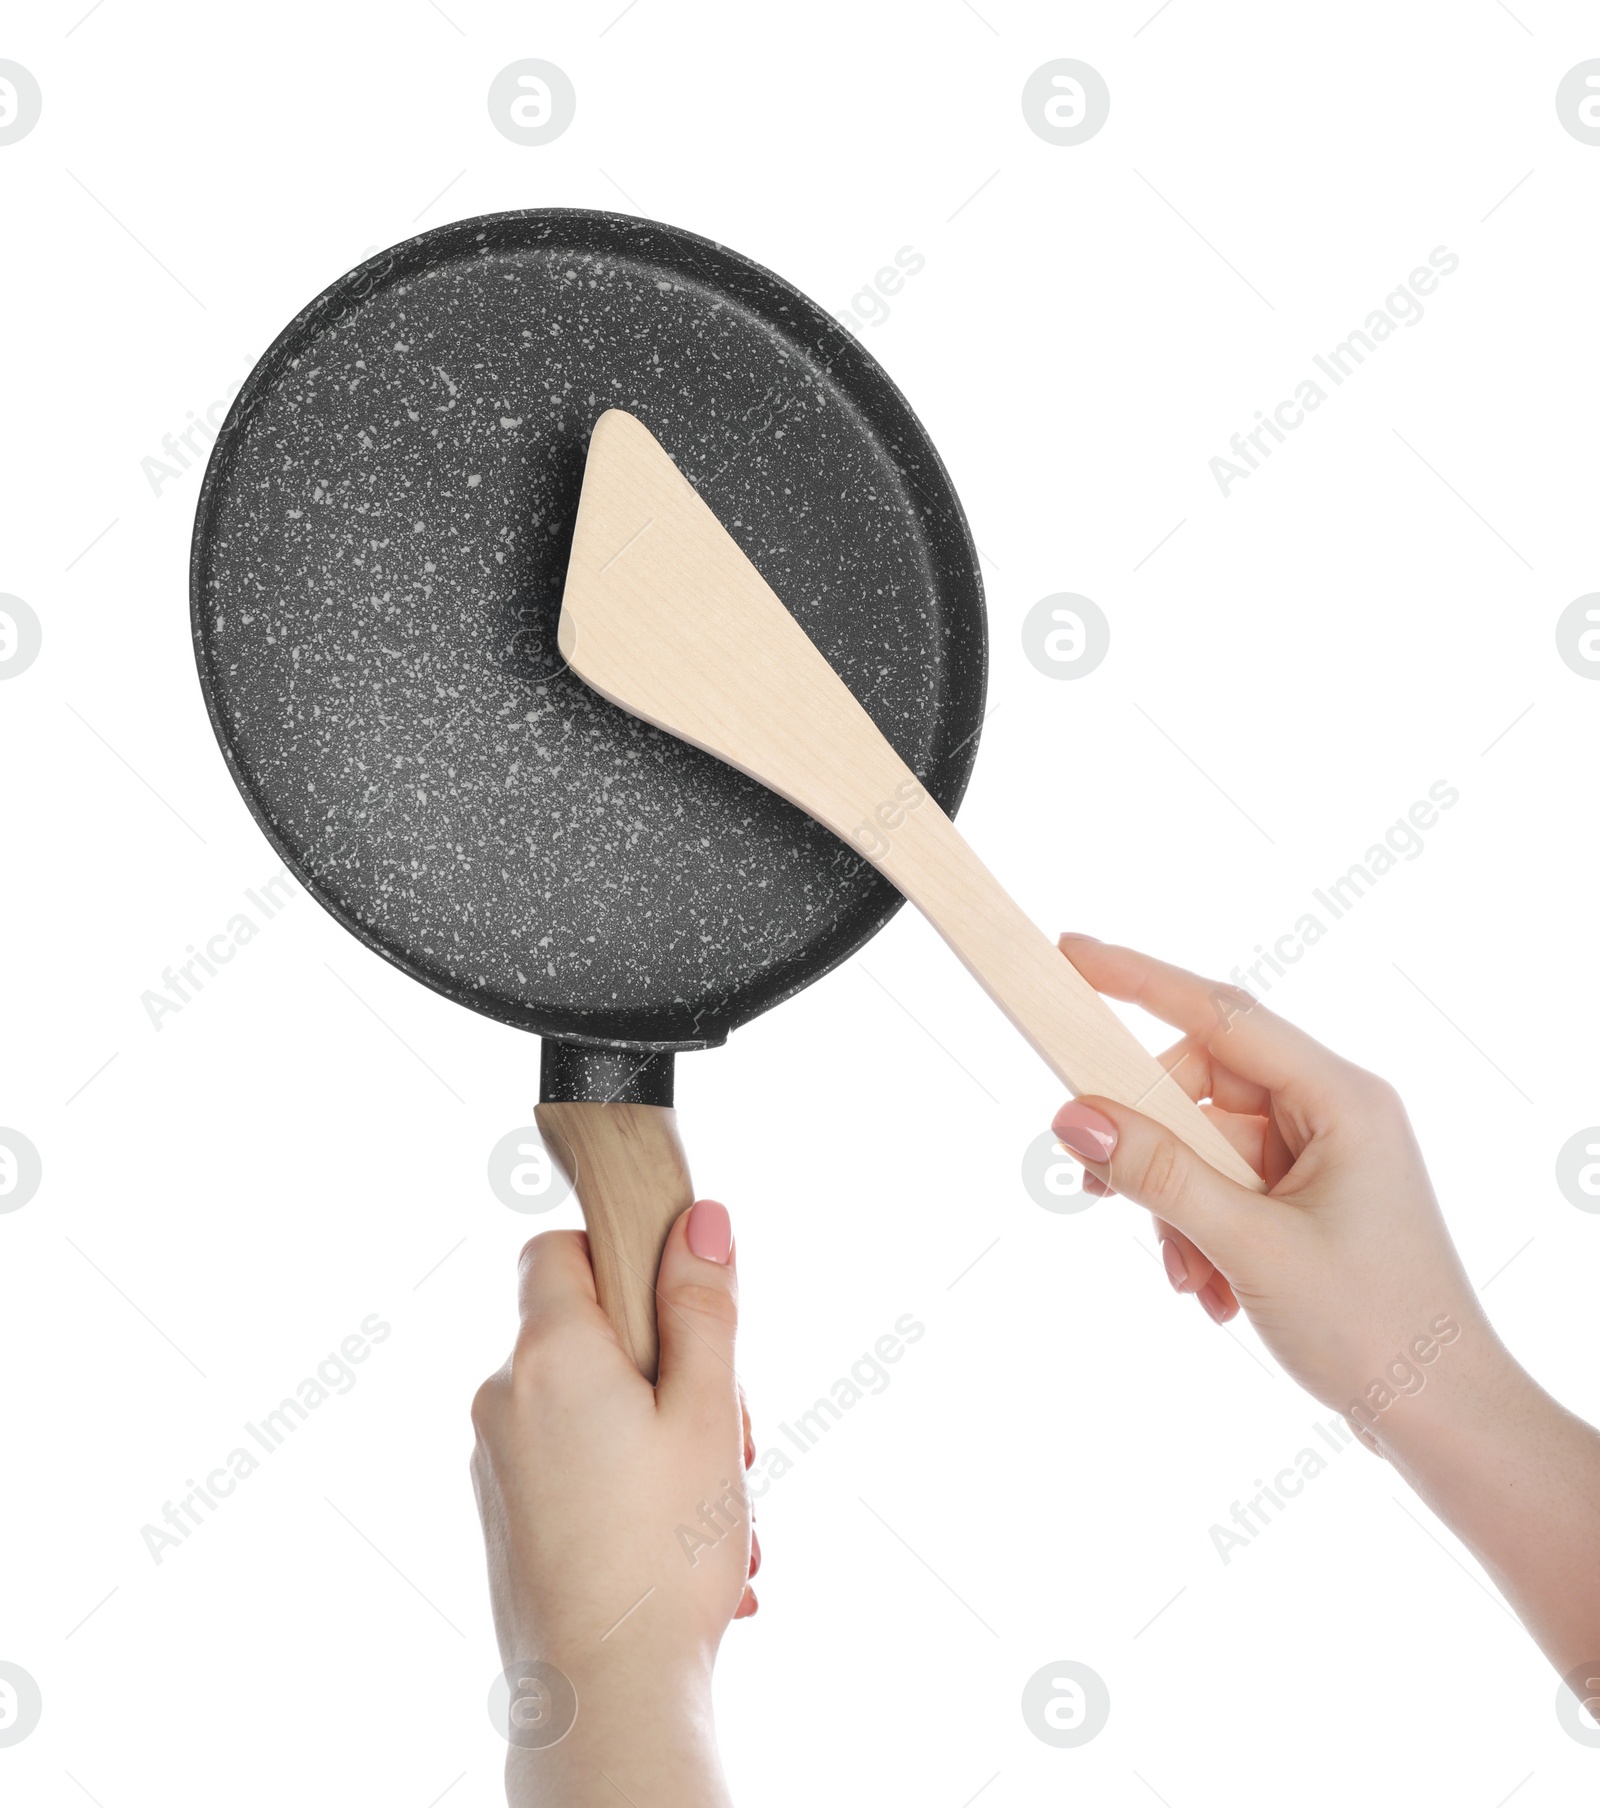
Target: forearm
pixel 643 1737
pixel 1517 1478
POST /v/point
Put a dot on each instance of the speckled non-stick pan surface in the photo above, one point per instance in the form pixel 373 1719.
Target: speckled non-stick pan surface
pixel 377 571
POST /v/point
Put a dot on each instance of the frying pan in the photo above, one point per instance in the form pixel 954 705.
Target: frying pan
pixel 376 576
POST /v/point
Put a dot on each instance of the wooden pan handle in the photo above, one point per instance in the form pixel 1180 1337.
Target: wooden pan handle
pixel 629 1171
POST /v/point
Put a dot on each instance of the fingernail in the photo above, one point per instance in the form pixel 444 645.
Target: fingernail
pixel 1177 1268
pixel 1215 1310
pixel 710 1231
pixel 1076 935
pixel 1088 1133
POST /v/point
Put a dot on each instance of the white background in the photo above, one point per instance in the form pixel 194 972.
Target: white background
pixel 305 1144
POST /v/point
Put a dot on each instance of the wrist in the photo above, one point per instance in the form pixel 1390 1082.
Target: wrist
pixel 635 1719
pixel 1424 1407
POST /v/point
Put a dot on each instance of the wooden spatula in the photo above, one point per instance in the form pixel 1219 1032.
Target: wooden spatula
pixel 665 616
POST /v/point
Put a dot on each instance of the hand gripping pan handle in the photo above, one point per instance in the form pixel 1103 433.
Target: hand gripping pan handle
pixel 628 1169
pixel 605 1115
pixel 664 615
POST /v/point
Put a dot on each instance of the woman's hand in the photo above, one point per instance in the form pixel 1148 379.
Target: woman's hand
pixel 617 1524
pixel 1346 1270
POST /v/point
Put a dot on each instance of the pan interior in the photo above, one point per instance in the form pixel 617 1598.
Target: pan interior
pixel 379 561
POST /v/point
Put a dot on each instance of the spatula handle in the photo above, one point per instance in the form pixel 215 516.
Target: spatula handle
pixel 629 1171
pixel 1086 1045
pixel 664 614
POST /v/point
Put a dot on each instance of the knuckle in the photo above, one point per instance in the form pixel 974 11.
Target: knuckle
pixel 1162 1177
pixel 487 1405
pixel 537 1246
pixel 1375 1093
pixel 1386 1096
pixel 532 1373
pixel 698 1300
pixel 530 1356
pixel 1229 1002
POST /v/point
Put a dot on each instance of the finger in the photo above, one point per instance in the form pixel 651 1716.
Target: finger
pixel 1202 1076
pixel 749 1429
pixel 1148 1164
pixel 555 1283
pixel 1218 1300
pixel 1249 1135
pixel 1190 1271
pixel 1244 1034
pixel 697 1308
pixel 1259 1140
pixel 1188 1268
pixel 1255 1138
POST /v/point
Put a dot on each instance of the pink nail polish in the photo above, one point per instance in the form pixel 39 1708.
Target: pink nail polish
pixel 1215 1310
pixel 710 1231
pixel 1177 1269
pixel 1088 1133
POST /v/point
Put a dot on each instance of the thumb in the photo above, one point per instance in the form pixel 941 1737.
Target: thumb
pixel 697 1308
pixel 1154 1168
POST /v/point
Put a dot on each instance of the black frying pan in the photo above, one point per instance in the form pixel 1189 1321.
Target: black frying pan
pixel 376 575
